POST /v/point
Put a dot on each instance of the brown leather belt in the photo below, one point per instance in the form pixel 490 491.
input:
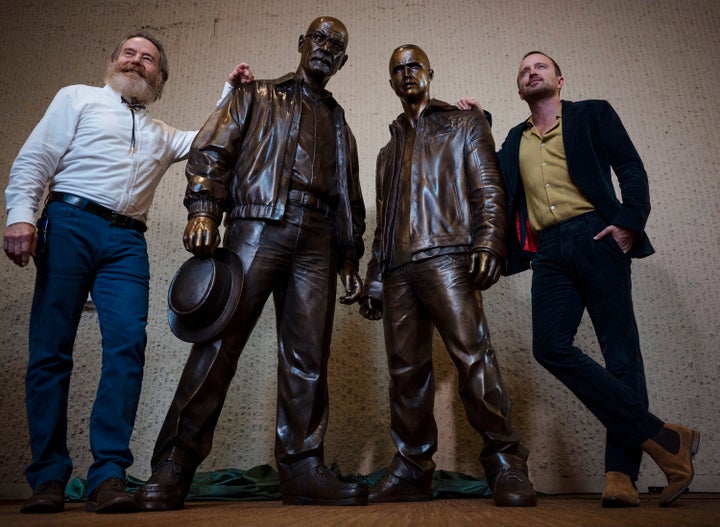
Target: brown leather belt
pixel 308 200
pixel 90 206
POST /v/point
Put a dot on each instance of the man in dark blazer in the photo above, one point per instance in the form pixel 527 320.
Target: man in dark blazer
pixel 566 219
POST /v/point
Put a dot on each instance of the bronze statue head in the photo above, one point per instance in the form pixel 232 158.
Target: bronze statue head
pixel 322 50
pixel 410 73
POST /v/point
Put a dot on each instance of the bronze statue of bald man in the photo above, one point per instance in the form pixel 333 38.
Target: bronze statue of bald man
pixel 278 162
pixel 439 241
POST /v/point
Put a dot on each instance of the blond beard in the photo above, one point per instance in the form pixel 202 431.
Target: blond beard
pixel 544 90
pixel 135 89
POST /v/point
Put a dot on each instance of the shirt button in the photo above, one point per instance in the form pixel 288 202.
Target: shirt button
pixel 552 207
pixel 547 185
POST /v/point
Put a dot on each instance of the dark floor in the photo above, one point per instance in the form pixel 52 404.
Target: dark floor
pixel 577 510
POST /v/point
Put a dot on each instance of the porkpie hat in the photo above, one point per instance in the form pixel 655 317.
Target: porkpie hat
pixel 204 294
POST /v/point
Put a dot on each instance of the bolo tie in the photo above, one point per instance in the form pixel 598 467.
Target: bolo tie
pixel 134 107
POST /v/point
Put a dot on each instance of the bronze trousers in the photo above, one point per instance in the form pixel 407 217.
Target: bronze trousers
pixel 296 261
pixel 438 293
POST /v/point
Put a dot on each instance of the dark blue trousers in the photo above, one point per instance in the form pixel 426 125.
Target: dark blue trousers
pixel 85 253
pixel 571 273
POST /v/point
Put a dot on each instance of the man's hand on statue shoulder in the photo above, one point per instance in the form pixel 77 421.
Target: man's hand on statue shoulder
pixel 468 103
pixel 242 74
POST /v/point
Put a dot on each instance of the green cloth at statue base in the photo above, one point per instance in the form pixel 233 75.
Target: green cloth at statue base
pixel 263 483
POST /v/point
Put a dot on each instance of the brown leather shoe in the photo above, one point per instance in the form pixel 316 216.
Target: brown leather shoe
pixel 319 486
pixel 619 491
pixel 675 463
pixel 48 497
pixel 166 489
pixel 512 488
pixel 110 497
pixel 391 488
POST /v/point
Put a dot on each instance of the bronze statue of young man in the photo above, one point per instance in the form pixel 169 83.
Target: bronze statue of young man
pixel 439 241
pixel 278 160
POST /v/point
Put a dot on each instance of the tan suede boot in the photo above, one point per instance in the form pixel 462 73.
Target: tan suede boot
pixel 677 466
pixel 619 491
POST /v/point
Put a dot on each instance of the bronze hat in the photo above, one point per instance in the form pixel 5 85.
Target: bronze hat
pixel 204 294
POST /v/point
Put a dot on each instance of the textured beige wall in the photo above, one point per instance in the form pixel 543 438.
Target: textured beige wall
pixel 656 61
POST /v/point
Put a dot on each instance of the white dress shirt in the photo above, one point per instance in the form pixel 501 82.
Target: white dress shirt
pixel 83 146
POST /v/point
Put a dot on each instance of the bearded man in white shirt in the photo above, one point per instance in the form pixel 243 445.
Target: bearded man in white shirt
pixel 101 156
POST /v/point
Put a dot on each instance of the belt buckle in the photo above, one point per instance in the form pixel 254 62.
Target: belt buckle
pixel 118 219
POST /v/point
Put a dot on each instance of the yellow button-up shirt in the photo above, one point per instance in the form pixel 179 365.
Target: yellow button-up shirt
pixel 550 193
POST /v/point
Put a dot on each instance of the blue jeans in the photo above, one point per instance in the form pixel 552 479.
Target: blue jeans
pixel 85 253
pixel 571 273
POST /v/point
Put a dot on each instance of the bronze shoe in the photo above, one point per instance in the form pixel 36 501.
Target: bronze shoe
pixel 319 486
pixel 166 489
pixel 110 497
pixel 391 488
pixel 677 464
pixel 48 497
pixel 512 488
pixel 619 491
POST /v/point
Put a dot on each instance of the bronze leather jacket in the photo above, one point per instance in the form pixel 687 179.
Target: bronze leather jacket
pixel 241 161
pixel 460 198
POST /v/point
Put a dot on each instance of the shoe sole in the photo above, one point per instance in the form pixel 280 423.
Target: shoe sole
pixel 694 446
pixel 160 498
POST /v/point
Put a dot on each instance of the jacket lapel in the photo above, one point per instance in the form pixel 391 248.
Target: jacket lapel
pixel 569 131
pixel 512 158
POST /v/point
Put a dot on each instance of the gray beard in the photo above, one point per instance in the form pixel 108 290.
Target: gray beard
pixel 136 90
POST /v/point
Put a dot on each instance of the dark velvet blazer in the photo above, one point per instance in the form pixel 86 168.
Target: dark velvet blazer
pixel 595 141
